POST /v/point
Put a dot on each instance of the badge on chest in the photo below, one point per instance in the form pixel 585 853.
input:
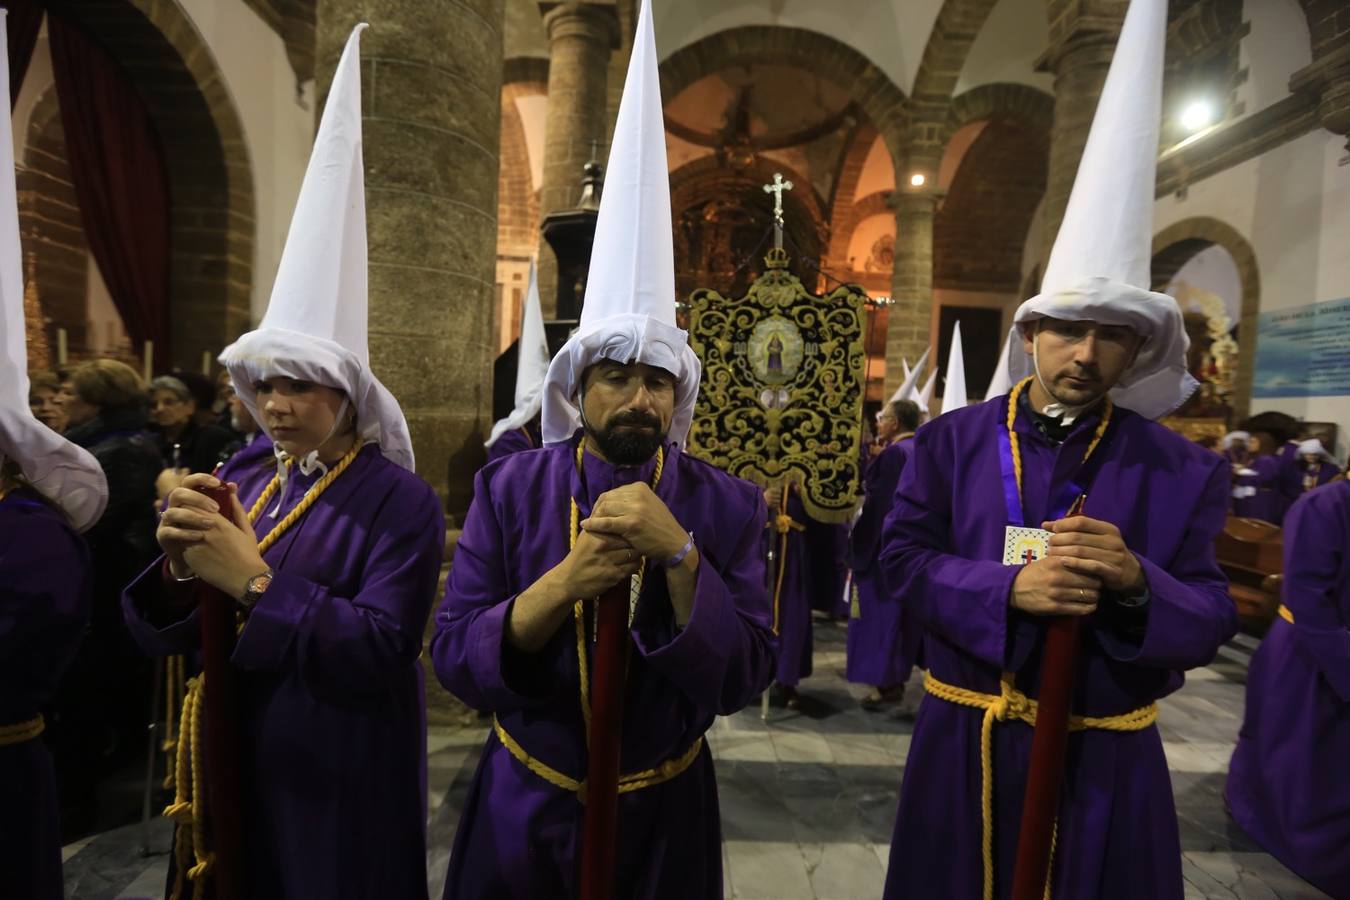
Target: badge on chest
pixel 1024 545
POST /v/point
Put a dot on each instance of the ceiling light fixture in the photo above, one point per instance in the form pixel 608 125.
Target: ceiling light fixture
pixel 1197 115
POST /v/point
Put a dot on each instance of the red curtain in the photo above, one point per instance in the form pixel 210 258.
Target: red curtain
pixel 120 182
pixel 22 26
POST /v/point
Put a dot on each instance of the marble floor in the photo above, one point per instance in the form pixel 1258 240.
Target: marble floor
pixel 808 798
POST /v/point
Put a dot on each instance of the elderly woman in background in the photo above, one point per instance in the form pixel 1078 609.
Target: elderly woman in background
pixel 185 446
pixel 44 400
pixel 104 696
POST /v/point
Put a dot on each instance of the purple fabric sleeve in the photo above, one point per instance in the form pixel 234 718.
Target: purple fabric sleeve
pixel 354 645
pixel 1189 611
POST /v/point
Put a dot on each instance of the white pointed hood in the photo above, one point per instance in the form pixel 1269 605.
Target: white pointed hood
pixel 906 390
pixel 531 364
pixel 1099 266
pixel 315 326
pixel 954 393
pixel 925 397
pixel 629 310
pixel 62 472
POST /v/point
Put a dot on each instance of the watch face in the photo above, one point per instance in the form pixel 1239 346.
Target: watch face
pixel 258 583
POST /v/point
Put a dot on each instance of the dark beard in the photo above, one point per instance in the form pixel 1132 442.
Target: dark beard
pixel 628 447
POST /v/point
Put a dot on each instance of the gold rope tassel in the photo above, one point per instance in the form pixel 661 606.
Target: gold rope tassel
pixel 1012 704
pixel 188 810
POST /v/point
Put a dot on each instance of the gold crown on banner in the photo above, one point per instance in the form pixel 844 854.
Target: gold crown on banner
pixel 776 258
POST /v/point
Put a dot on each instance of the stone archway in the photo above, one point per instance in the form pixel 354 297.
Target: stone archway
pixel 1018 104
pixel 874 93
pixel 1176 244
pixel 212 207
pixel 56 257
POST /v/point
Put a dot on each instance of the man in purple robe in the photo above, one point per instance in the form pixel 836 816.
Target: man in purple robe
pixel 509 641
pixel 883 638
pixel 1138 565
pixel 514 440
pixel 1287 783
pixel 1059 497
pixel 611 501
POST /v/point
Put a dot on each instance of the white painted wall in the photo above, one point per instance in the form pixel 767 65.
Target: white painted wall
pixel 1276 47
pixel 278 120
pixel 1012 39
pixel 1293 206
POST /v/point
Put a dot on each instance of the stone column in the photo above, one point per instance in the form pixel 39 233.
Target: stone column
pixel 431 92
pixel 1079 62
pixel 581 34
pixel 909 320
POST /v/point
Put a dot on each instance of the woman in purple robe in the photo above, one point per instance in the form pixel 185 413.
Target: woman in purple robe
pixel 883 640
pixel 1287 784
pixel 1256 483
pixel 330 552
pixel 44 608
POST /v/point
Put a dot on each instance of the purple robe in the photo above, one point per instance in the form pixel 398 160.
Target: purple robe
pixel 827 566
pixel 513 441
pixel 1256 492
pixel 883 638
pixel 333 718
pixel 792 605
pixel 519 834
pixel 942 551
pixel 1287 783
pixel 45 584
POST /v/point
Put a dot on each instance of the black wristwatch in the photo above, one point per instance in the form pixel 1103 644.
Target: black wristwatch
pixel 253 591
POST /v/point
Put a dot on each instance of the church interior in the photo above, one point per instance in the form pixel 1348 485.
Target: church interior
pixel 931 147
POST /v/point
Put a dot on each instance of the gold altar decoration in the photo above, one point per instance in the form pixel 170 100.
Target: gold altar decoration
pixel 782 390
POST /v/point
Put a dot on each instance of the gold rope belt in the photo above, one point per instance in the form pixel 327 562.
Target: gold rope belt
pixel 21 731
pixel 1286 614
pixel 1010 703
pixel 627 783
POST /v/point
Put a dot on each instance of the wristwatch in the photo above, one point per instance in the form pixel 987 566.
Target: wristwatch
pixel 253 591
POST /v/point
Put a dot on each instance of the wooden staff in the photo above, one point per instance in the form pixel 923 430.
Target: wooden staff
pixel 223 757
pixel 1049 745
pixel 598 865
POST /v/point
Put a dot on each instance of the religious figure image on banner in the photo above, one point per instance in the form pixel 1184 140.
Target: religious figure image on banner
pixel 775 350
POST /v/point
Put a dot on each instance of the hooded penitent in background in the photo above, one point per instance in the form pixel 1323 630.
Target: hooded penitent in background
pixel 49 490
pixel 954 392
pixel 1286 781
pixel 332 718
pixel 519 431
pixel 512 640
pixel 983 478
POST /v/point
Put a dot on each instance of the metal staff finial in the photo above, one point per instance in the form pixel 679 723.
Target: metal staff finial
pixel 777 188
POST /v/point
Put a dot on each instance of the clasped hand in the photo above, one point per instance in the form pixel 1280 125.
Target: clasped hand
pixel 626 524
pixel 1087 556
pixel 199 538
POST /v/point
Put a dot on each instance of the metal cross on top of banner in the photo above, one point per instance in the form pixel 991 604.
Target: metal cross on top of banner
pixel 777 188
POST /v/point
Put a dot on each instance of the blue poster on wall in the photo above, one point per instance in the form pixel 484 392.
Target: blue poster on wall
pixel 1304 351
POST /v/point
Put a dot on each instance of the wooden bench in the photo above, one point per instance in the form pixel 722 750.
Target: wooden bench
pixel 1251 553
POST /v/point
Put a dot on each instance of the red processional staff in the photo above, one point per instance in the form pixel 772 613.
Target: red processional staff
pixel 606 734
pixel 1049 743
pixel 222 758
